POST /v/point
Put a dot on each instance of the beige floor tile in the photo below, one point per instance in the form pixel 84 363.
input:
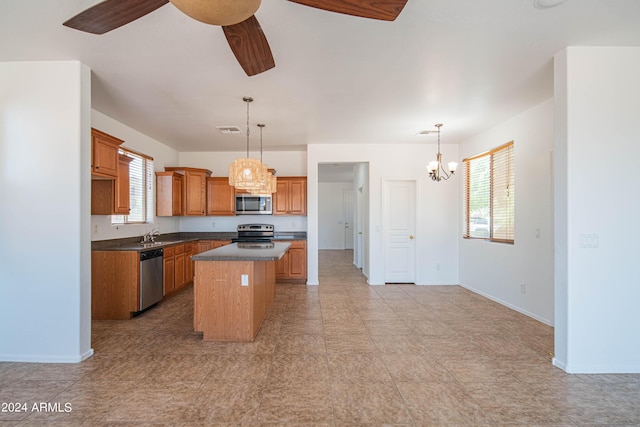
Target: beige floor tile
pixel 368 403
pixel 303 403
pixel 442 404
pixel 341 354
pixel 357 367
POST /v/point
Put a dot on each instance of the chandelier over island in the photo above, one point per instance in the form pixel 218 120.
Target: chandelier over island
pixel 249 174
pixel 268 183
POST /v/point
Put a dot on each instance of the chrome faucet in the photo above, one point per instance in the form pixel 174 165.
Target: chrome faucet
pixel 154 233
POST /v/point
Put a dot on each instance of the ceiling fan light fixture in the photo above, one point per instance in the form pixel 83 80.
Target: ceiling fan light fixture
pixel 218 12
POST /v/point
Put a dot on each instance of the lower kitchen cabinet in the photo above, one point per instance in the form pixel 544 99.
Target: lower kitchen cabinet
pixel 115 284
pixel 189 265
pixel 178 271
pixel 292 267
pixel 169 264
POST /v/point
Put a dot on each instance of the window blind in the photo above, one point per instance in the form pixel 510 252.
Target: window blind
pixel 140 190
pixel 489 195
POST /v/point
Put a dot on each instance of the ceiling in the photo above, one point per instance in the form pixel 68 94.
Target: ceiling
pixel 338 79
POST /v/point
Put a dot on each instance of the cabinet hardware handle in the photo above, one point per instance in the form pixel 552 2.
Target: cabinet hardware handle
pixel 412 237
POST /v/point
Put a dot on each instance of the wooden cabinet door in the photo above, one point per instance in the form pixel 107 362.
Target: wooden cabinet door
pixel 291 196
pixel 203 246
pixel 196 193
pixel 298 196
pixel 176 194
pixel 189 267
pixel 169 271
pixel 280 199
pixel 180 266
pixel 169 193
pixel 104 154
pixel 282 267
pixel 293 265
pixel 121 186
pixel 297 263
pixel 220 197
pixel 179 270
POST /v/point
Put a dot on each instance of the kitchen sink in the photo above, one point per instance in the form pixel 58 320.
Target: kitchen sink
pixel 151 244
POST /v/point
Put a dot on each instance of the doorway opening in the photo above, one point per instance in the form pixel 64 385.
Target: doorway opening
pixel 343 209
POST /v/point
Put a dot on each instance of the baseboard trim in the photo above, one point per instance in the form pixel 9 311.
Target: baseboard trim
pixel 509 305
pixel 45 359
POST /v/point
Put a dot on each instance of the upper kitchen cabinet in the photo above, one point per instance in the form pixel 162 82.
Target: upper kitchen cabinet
pixel 220 197
pixel 104 155
pixel 291 196
pixel 169 193
pixel 194 189
pixel 111 196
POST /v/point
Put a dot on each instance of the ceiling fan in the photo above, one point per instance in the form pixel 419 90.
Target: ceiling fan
pixel 236 17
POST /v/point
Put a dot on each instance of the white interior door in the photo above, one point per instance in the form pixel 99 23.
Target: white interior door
pixel 399 217
pixel 348 218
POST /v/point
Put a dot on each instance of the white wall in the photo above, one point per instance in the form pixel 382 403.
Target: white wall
pixel 163 155
pixel 497 270
pixel 45 272
pixel 331 214
pixel 437 229
pixel 597 280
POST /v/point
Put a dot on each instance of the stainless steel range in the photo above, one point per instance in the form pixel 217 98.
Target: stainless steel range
pixel 254 233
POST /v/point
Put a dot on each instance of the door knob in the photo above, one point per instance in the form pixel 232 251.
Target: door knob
pixel 412 237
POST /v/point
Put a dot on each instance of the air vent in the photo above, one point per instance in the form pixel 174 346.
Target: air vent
pixel 229 129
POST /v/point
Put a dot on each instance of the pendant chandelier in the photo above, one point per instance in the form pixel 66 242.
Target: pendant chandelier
pixel 435 167
pixel 268 183
pixel 246 173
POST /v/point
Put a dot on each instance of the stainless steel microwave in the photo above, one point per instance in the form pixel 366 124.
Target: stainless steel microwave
pixel 253 204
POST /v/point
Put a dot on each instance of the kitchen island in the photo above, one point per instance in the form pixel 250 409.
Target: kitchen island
pixel 234 286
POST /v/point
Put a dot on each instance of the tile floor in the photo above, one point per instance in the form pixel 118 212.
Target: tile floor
pixel 339 354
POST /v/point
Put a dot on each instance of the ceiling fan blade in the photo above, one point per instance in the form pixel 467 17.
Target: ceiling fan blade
pixel 249 45
pixel 385 10
pixel 111 14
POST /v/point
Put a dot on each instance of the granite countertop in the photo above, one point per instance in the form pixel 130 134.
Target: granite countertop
pixel 164 240
pixel 233 252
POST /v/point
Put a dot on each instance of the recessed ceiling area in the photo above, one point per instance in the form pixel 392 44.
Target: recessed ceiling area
pixel 337 78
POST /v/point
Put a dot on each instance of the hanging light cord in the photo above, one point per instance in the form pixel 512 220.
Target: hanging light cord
pixel 261 125
pixel 248 100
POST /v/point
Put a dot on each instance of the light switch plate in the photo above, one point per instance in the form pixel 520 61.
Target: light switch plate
pixel 244 280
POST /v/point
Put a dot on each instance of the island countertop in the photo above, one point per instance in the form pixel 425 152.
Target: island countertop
pixel 234 252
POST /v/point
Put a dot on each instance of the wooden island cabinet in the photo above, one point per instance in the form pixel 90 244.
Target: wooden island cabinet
pixel 233 290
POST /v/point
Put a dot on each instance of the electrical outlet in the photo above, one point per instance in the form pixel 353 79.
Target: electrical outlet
pixel 244 280
pixel 95 229
pixel 213 224
pixel 523 288
pixel 438 267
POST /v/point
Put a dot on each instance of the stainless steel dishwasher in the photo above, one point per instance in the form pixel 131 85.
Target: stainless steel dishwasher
pixel 151 277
